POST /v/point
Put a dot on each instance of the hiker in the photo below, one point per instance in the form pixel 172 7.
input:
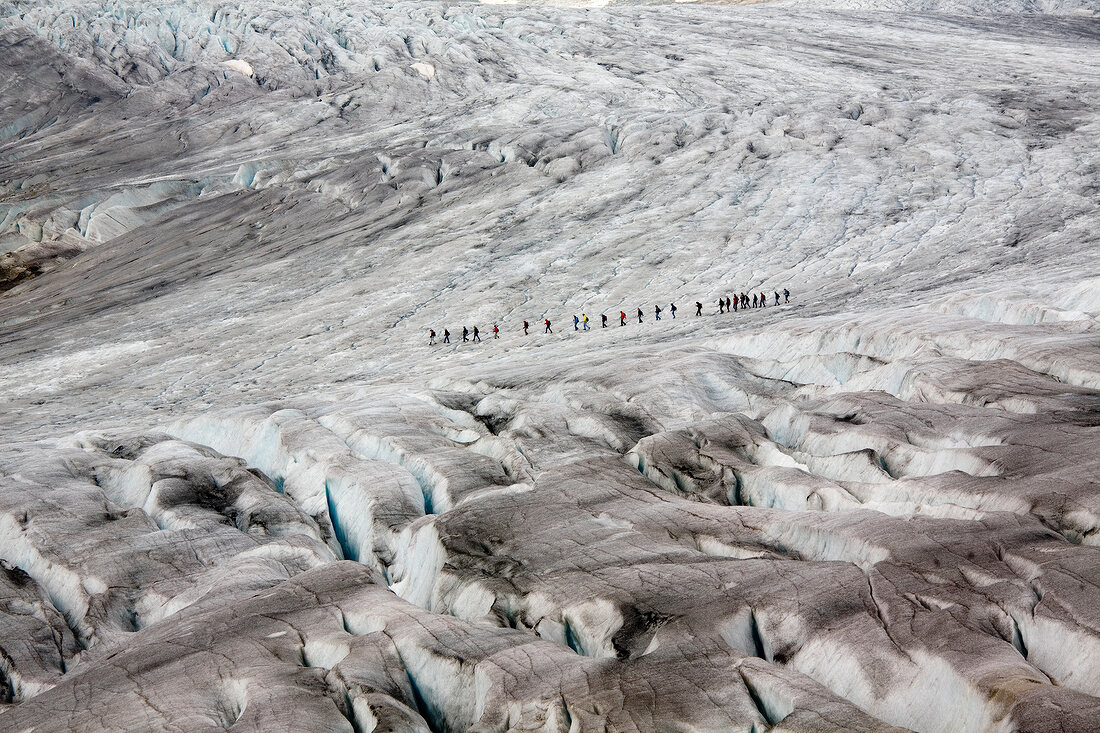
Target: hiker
pixel 431 336
pixel 584 321
pixel 603 320
pixel 744 300
pixel 639 315
pixel 734 304
pixel 575 321
pixel 721 305
pixel 622 318
pixel 446 336
pixel 465 334
pixel 526 325
pixel 548 329
pixel 777 297
pixel 657 311
pixel 763 301
pixel 786 295
pixel 672 307
pixel 754 300
pixel 728 305
pixel 496 331
pixel 698 308
pixel 476 336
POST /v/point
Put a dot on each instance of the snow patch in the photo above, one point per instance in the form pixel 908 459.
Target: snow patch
pixel 423 68
pixel 240 66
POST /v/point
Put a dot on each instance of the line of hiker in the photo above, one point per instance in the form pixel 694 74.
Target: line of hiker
pixel 742 301
pixel 725 305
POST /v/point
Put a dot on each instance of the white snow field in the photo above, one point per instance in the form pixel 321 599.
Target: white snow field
pixel 239 490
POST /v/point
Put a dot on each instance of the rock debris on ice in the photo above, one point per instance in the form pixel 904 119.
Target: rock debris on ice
pixel 238 489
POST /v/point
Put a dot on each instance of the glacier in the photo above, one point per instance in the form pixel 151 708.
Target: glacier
pixel 240 490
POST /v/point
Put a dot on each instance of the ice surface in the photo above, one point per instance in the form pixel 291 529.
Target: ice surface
pixel 238 489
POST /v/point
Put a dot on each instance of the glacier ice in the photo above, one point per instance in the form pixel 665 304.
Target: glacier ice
pixel 238 489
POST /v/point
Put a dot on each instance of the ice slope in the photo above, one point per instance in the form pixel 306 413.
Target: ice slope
pixel 228 455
